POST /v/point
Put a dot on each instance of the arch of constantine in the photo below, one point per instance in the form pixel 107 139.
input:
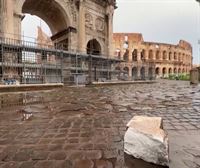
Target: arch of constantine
pixel 81 41
pixel 73 23
pixel 144 58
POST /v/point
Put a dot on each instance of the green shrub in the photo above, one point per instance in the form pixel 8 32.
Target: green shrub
pixel 184 77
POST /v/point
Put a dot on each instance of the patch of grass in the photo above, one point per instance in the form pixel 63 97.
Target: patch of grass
pixel 183 77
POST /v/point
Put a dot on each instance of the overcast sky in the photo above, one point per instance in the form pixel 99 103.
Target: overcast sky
pixel 165 21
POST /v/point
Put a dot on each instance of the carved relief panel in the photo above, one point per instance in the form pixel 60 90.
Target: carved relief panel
pixel 100 24
pixel 94 23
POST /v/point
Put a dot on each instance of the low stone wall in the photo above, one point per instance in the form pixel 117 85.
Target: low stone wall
pixel 29 87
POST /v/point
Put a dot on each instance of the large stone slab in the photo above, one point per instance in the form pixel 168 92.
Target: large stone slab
pixel 145 139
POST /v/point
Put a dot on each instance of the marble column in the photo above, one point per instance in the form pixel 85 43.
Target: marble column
pixel 81 36
pixel 110 13
pixel 8 18
pixel 2 16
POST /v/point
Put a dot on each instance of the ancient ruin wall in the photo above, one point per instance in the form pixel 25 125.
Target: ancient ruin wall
pixel 168 58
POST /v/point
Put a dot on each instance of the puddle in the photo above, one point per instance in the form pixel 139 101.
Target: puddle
pixel 18 105
pixel 22 99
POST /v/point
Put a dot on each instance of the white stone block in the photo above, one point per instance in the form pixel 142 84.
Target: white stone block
pixel 145 139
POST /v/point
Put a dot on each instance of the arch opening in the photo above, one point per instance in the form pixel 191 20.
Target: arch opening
pixel 164 55
pixel 50 11
pixel 125 56
pixel 157 55
pixel 157 71
pixel 150 73
pixel 143 55
pixel 175 56
pixel 134 73
pixel 179 71
pixel 170 71
pixel 164 71
pixel 142 73
pixel 150 55
pixel 134 55
pixel 170 56
pixel 175 70
pixel 93 47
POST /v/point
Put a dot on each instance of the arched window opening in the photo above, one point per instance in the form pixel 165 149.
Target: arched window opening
pixel 164 72
pixel 170 56
pixel 142 73
pixel 93 47
pixel 175 56
pixel 134 73
pixel 157 55
pixel 150 55
pixel 143 55
pixel 157 71
pixel 179 71
pixel 134 55
pixel 179 57
pixel 126 54
pixel 150 73
pixel 170 71
pixel 164 55
pixel 175 70
pixel 126 71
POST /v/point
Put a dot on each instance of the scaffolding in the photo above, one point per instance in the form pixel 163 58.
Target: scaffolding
pixel 24 62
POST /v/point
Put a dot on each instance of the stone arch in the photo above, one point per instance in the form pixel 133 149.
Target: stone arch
pixel 134 55
pixel 179 57
pixel 179 71
pixel 164 71
pixel 157 71
pixel 183 71
pixel 126 70
pixel 54 12
pixel 93 47
pixel 150 73
pixel 175 70
pixel 150 56
pixel 157 55
pixel 126 55
pixel 170 56
pixel 170 71
pixel 175 56
pixel 164 55
pixel 143 52
pixel 142 73
pixel 134 72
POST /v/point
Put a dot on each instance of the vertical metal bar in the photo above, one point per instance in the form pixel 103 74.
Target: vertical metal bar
pixel 2 60
pixel 90 70
pixel 62 68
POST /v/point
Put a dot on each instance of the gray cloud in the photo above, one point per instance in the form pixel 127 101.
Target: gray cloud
pixel 165 21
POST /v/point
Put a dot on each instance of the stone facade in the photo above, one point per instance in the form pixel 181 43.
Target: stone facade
pixel 167 58
pixel 83 26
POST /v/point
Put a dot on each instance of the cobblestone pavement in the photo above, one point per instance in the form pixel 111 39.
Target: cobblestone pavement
pixel 84 127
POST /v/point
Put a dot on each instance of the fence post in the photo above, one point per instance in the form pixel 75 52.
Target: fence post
pixel 62 59
pixel 90 69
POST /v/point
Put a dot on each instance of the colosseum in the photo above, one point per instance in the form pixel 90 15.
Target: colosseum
pixel 147 60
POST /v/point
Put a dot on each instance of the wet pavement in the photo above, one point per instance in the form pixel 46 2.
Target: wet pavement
pixel 84 127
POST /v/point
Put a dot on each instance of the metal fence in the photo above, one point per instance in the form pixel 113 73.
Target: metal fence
pixel 23 62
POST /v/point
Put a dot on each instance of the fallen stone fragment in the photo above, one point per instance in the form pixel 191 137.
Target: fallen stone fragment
pixel 145 139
